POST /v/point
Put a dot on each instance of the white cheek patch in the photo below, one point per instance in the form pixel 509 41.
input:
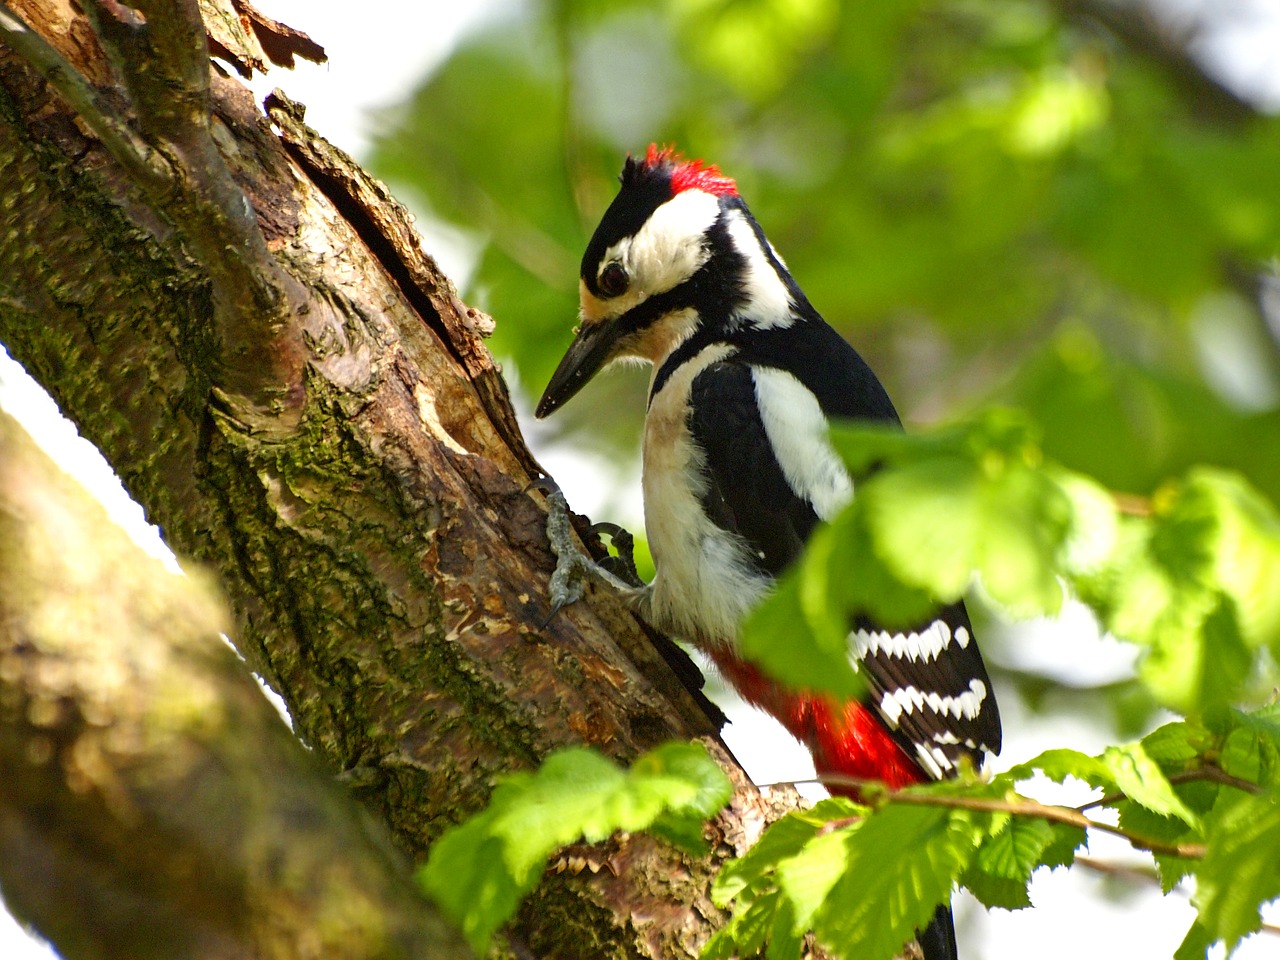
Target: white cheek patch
pixel 667 250
pixel 797 431
pixel 768 300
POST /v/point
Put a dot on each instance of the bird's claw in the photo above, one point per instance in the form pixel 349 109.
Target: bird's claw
pixel 573 567
pixel 623 565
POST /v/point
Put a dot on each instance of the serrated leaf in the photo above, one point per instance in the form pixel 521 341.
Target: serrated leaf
pixel 783 838
pixel 1195 945
pixel 1001 871
pixel 903 862
pixel 807 878
pixel 479 870
pixel 1140 779
pixel 777 637
pixel 1252 745
pixel 1240 870
pixel 1176 744
pixel 1061 850
pixel 1060 764
pixel 1002 867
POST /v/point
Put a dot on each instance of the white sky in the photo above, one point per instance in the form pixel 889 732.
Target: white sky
pixel 375 57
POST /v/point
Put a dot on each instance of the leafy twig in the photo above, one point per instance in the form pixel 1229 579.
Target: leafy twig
pixel 1022 807
pixel 1210 773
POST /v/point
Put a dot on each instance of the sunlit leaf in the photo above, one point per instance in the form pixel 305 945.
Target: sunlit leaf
pixel 479 870
pixel 1240 870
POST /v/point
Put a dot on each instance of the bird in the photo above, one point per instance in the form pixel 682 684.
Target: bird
pixel 738 471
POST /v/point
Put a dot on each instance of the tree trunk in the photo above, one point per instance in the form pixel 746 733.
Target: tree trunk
pixel 301 402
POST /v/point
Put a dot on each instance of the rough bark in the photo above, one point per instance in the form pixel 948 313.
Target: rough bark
pixel 346 464
pixel 153 803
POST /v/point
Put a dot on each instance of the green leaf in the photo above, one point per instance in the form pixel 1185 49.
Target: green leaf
pixel 1252 744
pixel 778 636
pixel 902 863
pixel 1175 745
pixel 1195 945
pixel 466 877
pixel 479 870
pixel 1060 764
pixel 1240 870
pixel 1002 869
pixel 807 878
pixel 1061 850
pixel 1125 769
pixel 782 839
pixel 1140 779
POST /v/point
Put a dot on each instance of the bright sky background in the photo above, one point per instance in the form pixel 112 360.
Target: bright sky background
pixel 376 55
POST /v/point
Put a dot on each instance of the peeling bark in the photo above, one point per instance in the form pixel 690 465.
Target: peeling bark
pixel 374 531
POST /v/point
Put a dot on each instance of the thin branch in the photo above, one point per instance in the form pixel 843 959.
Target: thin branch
pixel 1140 29
pixel 1021 807
pixel 146 165
pixel 158 48
pixel 1209 774
pixel 1144 875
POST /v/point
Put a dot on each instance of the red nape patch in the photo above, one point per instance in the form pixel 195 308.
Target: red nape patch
pixel 690 174
pixel 845 739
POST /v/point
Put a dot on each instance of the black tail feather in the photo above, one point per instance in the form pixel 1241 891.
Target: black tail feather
pixel 938 940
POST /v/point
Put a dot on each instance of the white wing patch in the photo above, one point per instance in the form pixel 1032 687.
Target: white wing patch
pixel 797 431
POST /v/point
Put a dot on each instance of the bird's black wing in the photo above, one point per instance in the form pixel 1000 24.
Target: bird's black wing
pixel 746 491
pixel 928 684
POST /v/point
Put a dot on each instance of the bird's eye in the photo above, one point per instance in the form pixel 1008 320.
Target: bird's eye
pixel 614 280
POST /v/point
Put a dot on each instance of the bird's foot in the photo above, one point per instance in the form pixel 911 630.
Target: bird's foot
pixel 574 569
pixel 622 563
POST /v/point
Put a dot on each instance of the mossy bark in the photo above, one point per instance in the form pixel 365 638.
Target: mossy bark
pixel 382 553
pixel 153 804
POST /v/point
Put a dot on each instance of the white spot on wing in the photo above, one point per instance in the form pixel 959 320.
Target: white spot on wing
pixel 925 645
pixel 797 431
pixel 933 760
pixel 907 700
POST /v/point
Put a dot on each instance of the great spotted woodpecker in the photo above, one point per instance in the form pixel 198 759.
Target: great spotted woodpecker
pixel 738 470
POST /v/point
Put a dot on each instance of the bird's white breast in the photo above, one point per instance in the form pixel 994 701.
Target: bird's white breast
pixel 705 583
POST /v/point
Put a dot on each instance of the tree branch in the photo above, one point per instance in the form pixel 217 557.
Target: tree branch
pixel 1210 773
pixel 145 774
pixel 145 164
pixel 1139 29
pixel 1022 807
pixel 386 564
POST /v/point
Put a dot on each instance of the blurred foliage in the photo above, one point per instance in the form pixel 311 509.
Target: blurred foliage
pixel 1188 575
pixel 993 201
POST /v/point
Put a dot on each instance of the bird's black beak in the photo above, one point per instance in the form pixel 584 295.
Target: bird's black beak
pixel 590 350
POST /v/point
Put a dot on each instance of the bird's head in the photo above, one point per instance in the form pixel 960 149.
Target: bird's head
pixel 668 253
